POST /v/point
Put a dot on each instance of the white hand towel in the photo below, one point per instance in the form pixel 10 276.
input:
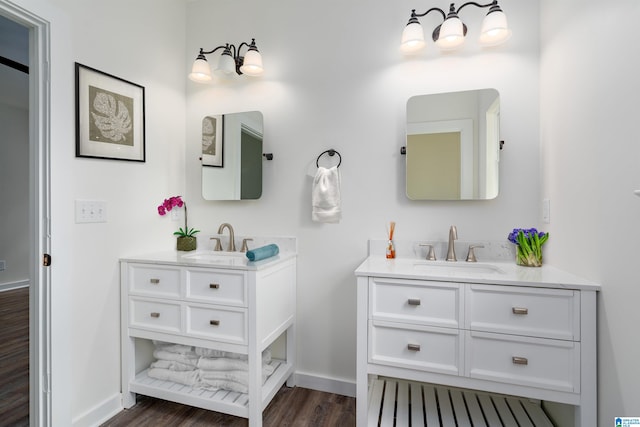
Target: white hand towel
pixel 325 196
pixel 190 378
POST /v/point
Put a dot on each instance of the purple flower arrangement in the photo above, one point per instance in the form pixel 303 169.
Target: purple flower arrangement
pixel 528 243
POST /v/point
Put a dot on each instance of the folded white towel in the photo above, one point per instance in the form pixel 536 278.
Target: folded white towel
pixel 173 348
pixel 224 364
pixel 172 365
pixel 190 378
pixel 186 359
pixel 325 196
pixel 211 353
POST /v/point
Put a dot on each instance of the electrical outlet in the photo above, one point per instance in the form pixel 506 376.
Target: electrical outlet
pixel 3 265
pixel 91 211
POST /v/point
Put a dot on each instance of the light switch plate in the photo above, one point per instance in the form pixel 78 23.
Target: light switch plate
pixel 91 211
pixel 546 211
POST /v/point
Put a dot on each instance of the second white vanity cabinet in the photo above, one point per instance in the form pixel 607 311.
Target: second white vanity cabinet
pixel 517 331
pixel 214 302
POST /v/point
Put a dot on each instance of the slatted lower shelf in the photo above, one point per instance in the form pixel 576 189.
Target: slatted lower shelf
pixel 224 401
pixel 403 403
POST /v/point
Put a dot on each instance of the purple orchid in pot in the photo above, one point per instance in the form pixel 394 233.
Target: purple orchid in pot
pixel 528 243
pixel 186 236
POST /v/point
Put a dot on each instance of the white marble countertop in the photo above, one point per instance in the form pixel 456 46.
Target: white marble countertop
pixel 207 257
pixel 494 272
pixel 227 260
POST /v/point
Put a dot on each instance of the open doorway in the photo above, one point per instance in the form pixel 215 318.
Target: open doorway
pixel 14 245
pixel 24 120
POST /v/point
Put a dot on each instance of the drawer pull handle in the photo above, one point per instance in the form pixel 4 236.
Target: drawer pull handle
pixel 214 286
pixel 154 281
pixel 520 310
pixel 155 314
pixel 214 322
pixel 519 360
pixel 413 347
pixel 414 301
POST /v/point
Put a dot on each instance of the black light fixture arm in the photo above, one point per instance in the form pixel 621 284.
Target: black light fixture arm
pixel 433 9
pixel 452 9
pixel 202 52
pixel 493 3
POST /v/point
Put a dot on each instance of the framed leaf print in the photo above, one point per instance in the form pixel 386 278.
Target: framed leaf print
pixel 109 116
pixel 212 140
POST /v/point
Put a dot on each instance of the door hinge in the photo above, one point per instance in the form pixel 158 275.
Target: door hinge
pixel 46 260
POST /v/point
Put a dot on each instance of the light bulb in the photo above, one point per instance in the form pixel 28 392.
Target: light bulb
pixel 451 34
pixel 226 65
pixel 252 64
pixel 494 30
pixel 412 38
pixel 200 71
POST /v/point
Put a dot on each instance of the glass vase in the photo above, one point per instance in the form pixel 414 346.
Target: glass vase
pixel 528 258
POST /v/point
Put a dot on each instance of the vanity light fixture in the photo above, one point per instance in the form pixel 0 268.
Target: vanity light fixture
pixel 451 33
pixel 231 61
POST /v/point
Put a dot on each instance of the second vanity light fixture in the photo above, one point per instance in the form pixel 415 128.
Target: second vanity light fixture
pixel 450 34
pixel 231 61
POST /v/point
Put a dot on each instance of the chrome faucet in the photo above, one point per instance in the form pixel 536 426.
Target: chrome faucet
pixel 232 244
pixel 451 250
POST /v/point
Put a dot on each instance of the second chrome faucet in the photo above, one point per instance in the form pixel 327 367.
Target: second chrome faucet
pixel 232 243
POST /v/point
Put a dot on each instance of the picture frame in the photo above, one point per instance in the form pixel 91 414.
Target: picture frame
pixel 110 122
pixel 213 141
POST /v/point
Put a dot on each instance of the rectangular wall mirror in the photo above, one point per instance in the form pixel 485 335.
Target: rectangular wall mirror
pixel 232 156
pixel 453 145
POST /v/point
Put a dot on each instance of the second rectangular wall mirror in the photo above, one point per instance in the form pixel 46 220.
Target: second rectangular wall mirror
pixel 453 145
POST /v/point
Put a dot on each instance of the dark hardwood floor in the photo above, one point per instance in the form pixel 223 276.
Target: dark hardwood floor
pixel 299 407
pixel 14 357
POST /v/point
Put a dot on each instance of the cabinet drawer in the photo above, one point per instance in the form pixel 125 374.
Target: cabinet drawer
pixel 415 301
pixel 154 280
pixel 157 315
pixel 427 348
pixel 537 312
pixel 536 362
pixel 216 287
pixel 217 323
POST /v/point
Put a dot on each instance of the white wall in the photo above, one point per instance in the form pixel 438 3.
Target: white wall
pixel 334 78
pixel 141 41
pixel 590 167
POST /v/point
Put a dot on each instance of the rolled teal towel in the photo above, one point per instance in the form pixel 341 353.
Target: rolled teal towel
pixel 264 252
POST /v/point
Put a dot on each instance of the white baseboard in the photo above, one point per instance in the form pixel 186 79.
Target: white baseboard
pixel 9 286
pixel 100 413
pixel 329 385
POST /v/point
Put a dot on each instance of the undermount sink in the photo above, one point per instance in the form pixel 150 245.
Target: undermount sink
pixel 456 268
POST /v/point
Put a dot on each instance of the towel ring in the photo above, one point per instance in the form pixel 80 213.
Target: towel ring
pixel 330 152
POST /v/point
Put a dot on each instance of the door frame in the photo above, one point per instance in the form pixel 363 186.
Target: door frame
pixel 40 392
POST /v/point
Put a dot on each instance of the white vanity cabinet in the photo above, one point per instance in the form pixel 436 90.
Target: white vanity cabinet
pixel 516 331
pixel 240 307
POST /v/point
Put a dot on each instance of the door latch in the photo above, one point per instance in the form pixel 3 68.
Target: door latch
pixel 46 260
